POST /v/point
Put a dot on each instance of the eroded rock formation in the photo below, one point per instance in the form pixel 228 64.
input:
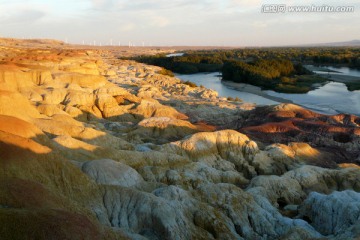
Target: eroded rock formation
pixel 93 147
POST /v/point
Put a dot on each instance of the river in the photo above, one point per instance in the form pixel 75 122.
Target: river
pixel 337 70
pixel 212 81
pixel 332 98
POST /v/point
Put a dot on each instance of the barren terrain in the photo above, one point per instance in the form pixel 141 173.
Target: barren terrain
pixel 93 147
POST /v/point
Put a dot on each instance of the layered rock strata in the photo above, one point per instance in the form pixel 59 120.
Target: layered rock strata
pixel 93 147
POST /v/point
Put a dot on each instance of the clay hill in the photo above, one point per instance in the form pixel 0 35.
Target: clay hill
pixel 93 147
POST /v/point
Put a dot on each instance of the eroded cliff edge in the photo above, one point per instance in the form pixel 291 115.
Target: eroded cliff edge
pixel 93 147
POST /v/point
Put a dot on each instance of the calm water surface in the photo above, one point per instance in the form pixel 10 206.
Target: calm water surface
pixel 333 98
pixel 212 81
pixel 175 55
pixel 343 71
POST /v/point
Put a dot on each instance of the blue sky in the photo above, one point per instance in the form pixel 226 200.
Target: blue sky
pixel 176 22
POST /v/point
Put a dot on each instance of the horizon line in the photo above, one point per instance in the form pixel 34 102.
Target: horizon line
pixel 323 44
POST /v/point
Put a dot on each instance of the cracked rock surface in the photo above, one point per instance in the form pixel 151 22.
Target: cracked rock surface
pixel 94 147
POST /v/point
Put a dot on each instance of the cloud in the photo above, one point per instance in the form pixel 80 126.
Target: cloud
pixel 153 5
pixel 24 16
pixel 179 22
pixel 260 24
pixel 159 21
pixel 107 5
pixel 245 3
pixel 127 27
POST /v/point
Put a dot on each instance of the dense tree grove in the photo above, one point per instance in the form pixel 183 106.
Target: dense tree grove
pixel 348 56
pixel 187 64
pixel 279 75
pixel 212 60
pixel 280 69
pixel 260 70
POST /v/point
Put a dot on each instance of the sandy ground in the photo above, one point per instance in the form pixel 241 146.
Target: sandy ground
pixel 242 87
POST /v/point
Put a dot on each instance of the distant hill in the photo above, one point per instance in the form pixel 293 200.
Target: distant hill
pixel 30 42
pixel 337 44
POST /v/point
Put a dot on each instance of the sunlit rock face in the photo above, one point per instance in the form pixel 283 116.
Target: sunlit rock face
pixel 336 136
pixel 93 147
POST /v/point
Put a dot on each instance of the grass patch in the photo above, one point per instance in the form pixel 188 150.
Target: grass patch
pixel 166 72
pixel 297 84
pixel 286 88
pixel 191 84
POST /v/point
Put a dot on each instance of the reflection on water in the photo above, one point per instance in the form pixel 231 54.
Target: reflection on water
pixel 334 70
pixel 175 55
pixel 345 71
pixel 212 81
pixel 332 98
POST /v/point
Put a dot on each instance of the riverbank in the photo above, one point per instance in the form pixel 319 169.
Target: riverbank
pixel 122 151
pixel 329 98
pixel 352 83
pixel 243 87
pixel 319 69
pixel 350 77
pixel 339 77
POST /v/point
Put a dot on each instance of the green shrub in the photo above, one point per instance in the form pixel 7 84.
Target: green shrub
pixel 191 84
pixel 285 88
pixel 287 80
pixel 166 72
pixel 230 99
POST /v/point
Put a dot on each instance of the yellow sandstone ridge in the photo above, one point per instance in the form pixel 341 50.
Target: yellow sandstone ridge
pixel 94 147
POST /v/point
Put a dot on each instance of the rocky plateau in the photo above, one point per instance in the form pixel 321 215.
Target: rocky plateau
pixel 94 147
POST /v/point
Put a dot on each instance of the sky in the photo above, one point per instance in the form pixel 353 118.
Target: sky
pixel 177 22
